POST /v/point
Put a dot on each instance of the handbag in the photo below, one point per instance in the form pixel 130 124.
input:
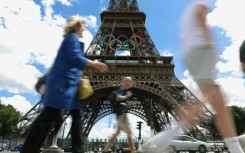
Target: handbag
pixel 85 90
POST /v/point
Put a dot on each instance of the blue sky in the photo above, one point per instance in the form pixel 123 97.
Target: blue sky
pixel 31 32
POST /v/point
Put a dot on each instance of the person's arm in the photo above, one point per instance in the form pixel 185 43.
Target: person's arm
pixel 98 65
pixel 123 98
pixel 40 85
pixel 76 57
pixel 200 14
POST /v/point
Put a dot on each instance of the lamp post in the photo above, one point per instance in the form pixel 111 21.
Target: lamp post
pixel 139 138
pixel 63 144
pixel 54 148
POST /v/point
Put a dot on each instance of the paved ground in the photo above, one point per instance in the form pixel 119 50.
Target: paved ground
pixel 90 152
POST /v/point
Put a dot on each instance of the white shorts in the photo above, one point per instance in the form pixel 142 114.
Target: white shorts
pixel 200 61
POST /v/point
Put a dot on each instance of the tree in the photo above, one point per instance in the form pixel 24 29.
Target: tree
pixel 212 128
pixel 239 118
pixel 8 119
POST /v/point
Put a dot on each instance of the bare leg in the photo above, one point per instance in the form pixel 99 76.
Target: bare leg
pixel 223 117
pixel 161 140
pixel 130 142
pixel 111 141
pixel 193 111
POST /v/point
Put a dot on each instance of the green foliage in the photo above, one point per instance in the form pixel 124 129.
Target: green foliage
pixel 212 128
pixel 239 119
pixel 8 119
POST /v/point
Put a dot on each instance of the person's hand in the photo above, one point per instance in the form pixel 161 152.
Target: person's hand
pixel 129 94
pixel 243 67
pixel 102 67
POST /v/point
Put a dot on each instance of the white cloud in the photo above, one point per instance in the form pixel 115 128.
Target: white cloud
pixel 233 90
pixel 103 6
pixel 92 22
pixel 27 40
pixel 165 53
pixel 18 102
pixel 65 2
pixel 233 27
pixel 227 15
pixel 49 11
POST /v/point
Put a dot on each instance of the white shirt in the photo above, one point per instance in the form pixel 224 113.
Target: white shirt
pixel 190 33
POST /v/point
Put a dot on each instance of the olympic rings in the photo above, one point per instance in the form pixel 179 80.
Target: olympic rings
pixel 113 42
pixel 122 42
pixel 134 36
pixel 122 36
pixel 126 45
pixel 107 42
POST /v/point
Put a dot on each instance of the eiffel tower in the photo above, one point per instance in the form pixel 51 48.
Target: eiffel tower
pixel 123 43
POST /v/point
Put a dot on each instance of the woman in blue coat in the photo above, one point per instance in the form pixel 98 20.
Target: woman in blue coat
pixel 61 89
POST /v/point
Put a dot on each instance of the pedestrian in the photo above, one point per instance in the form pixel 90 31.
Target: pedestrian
pixel 123 94
pixel 61 88
pixel 242 56
pixel 200 58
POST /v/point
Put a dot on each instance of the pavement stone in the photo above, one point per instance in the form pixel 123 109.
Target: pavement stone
pixel 87 152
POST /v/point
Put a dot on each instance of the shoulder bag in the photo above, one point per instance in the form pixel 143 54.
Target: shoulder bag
pixel 85 90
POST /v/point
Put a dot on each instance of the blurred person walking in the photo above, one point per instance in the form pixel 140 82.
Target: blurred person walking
pixel 242 56
pixel 200 58
pixel 61 90
pixel 122 94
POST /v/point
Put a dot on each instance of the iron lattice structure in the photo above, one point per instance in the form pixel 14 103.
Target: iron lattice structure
pixel 123 43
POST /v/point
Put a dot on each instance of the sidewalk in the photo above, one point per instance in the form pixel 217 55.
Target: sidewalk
pixel 88 152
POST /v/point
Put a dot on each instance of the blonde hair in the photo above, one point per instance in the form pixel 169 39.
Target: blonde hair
pixel 73 24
